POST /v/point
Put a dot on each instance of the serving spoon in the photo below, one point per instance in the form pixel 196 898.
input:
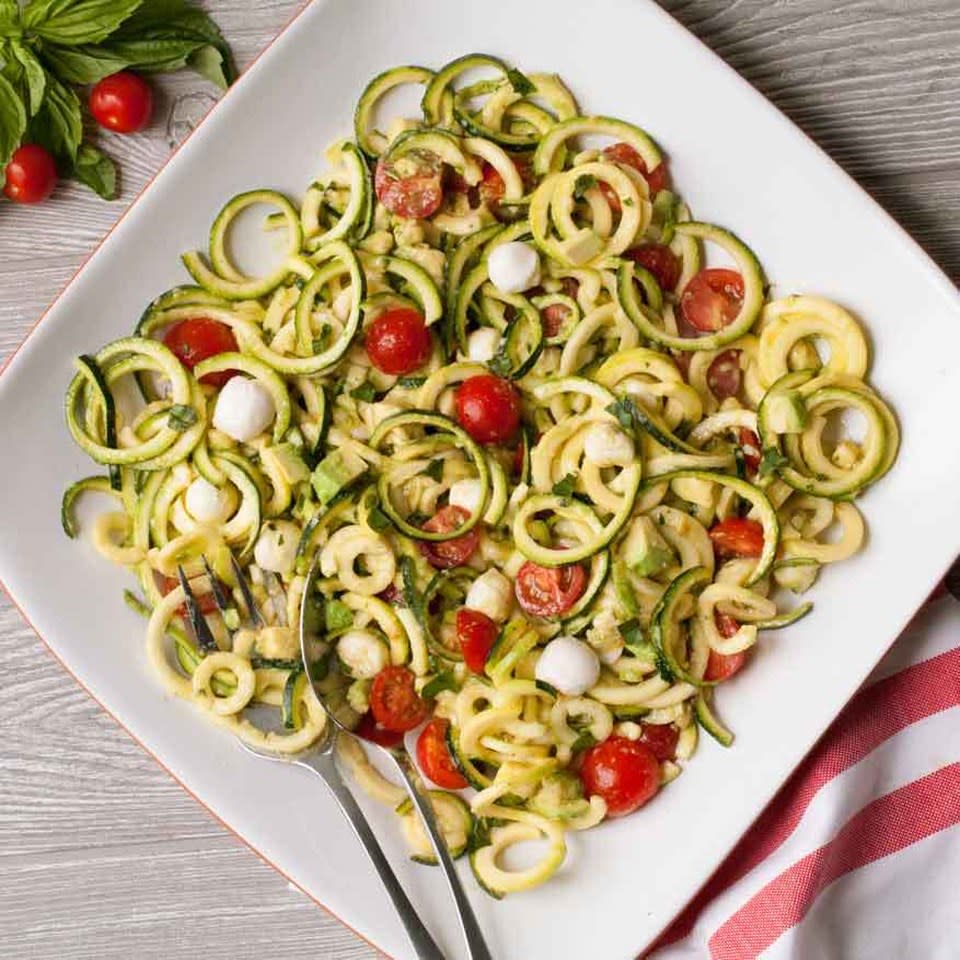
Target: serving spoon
pixel 315 651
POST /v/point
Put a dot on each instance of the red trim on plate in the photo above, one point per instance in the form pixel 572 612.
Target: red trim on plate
pixel 296 15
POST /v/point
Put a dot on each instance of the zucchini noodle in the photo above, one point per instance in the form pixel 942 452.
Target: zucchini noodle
pixel 683 456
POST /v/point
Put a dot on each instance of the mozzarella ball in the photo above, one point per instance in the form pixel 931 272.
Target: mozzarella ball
pixel 276 547
pixel 514 267
pixel 363 653
pixel 244 409
pixel 467 494
pixel 568 665
pixel 482 344
pixel 205 502
pixel 606 445
pixel 491 593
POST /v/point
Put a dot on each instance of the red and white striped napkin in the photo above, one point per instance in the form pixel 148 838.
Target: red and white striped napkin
pixel 858 855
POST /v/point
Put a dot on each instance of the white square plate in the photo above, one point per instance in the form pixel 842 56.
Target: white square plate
pixel 739 163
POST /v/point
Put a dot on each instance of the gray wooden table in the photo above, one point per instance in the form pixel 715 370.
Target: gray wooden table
pixel 101 854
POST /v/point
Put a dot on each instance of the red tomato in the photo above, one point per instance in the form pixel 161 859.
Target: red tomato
pixel 390 594
pixel 445 554
pixel 488 408
pixel 434 757
pixel 625 154
pixel 661 738
pixel 750 445
pixel 122 102
pixel 477 634
pixel 197 339
pixel 492 187
pixel 624 772
pixel 722 667
pixel 549 591
pixel 660 260
pixel 369 729
pixel 398 341
pixel 205 601
pixel 723 374
pixel 394 701
pixel 712 299
pixel 737 537
pixel 727 626
pixel 31 174
pixel 415 196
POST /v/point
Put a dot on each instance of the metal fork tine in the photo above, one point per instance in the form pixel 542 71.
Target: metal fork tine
pixel 252 608
pixel 225 604
pixel 201 628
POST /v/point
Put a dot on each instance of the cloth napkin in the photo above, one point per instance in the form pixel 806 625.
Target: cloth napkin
pixel 858 855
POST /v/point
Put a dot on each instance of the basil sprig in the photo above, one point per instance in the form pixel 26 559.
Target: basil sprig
pixel 46 46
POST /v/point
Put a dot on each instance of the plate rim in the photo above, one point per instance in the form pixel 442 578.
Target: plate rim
pixel 935 274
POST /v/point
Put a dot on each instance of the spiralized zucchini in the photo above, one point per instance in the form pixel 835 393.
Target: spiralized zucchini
pixel 687 457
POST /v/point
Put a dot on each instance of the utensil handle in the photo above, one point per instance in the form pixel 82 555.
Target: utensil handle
pixel 325 767
pixel 476 945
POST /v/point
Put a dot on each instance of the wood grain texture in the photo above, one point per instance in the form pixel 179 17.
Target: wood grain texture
pixel 101 854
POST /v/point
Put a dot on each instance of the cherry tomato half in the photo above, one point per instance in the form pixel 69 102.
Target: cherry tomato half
pixel 31 174
pixel 416 194
pixel 661 738
pixel 434 758
pixel 398 341
pixel 477 634
pixel 712 299
pixel 750 445
pixel 625 154
pixel 488 408
pixel 444 554
pixel 624 772
pixel 368 729
pixel 394 701
pixel 722 666
pixel 122 102
pixel 660 260
pixel 737 537
pixel 492 187
pixel 549 591
pixel 723 374
pixel 199 338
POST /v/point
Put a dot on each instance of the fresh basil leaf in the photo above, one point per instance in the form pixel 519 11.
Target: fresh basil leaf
pixel 378 520
pixel 411 382
pixel 337 616
pixel 149 55
pixel 366 392
pixel 59 124
pixel 434 470
pixel 520 83
pixel 210 62
pixel 96 170
pixel 13 122
pixel 178 20
pixel 33 73
pixel 84 65
pixel 73 22
pixel 501 365
pixel 442 681
pixel 625 410
pixel 771 461
pixel 583 183
pixel 182 417
pixel 565 487
pixel 9 18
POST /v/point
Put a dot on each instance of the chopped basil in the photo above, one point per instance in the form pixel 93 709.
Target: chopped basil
pixel 411 382
pixel 434 470
pixel 771 461
pixel 564 487
pixel 442 681
pixel 366 392
pixel 182 417
pixel 583 183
